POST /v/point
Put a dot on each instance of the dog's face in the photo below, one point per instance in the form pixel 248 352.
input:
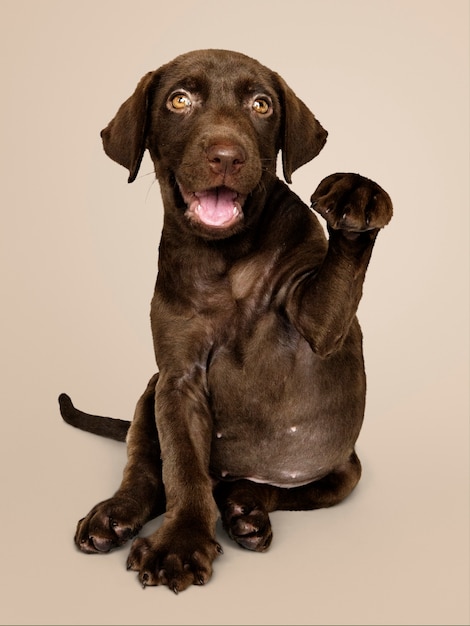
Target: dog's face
pixel 213 122
pixel 223 134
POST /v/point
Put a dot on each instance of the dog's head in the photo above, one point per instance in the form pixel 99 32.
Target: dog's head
pixel 213 122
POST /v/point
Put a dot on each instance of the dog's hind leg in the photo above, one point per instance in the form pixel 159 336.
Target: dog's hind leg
pixel 326 492
pixel 141 494
pixel 245 506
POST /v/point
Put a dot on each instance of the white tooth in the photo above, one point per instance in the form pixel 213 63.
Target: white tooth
pixel 235 210
pixel 198 208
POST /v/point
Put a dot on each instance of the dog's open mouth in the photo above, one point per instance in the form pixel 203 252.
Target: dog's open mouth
pixel 219 207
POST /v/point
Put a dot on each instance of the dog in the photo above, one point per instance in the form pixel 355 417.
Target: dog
pixel 260 392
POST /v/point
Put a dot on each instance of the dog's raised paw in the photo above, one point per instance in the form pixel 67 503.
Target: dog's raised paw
pixel 352 203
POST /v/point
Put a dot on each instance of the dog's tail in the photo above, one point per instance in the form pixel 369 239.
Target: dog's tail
pixel 103 426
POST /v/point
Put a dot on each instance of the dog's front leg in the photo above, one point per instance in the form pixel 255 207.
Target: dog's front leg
pixel 181 552
pixel 325 302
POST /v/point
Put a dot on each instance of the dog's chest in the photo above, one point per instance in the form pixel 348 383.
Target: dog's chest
pixel 251 281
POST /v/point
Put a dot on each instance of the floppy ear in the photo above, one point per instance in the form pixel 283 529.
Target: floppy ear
pixel 302 136
pixel 124 138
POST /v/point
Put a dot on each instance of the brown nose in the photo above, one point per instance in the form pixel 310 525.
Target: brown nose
pixel 225 158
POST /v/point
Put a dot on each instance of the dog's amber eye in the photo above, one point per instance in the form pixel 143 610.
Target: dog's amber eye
pixel 261 105
pixel 180 101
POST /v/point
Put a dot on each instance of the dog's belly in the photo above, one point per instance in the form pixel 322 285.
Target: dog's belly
pixel 284 416
pixel 289 461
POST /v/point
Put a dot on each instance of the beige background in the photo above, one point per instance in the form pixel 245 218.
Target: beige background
pixel 389 80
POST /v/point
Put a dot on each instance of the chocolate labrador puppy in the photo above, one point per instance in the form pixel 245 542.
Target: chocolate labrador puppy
pixel 260 393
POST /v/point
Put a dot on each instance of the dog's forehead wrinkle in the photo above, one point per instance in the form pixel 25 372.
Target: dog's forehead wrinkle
pixel 234 74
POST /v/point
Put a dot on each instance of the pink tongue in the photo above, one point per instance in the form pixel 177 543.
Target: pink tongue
pixel 216 206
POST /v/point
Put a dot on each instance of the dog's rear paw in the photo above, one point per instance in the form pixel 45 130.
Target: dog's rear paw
pixel 248 525
pixel 108 525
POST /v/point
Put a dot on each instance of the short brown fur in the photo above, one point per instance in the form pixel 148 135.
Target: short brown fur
pixel 260 393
